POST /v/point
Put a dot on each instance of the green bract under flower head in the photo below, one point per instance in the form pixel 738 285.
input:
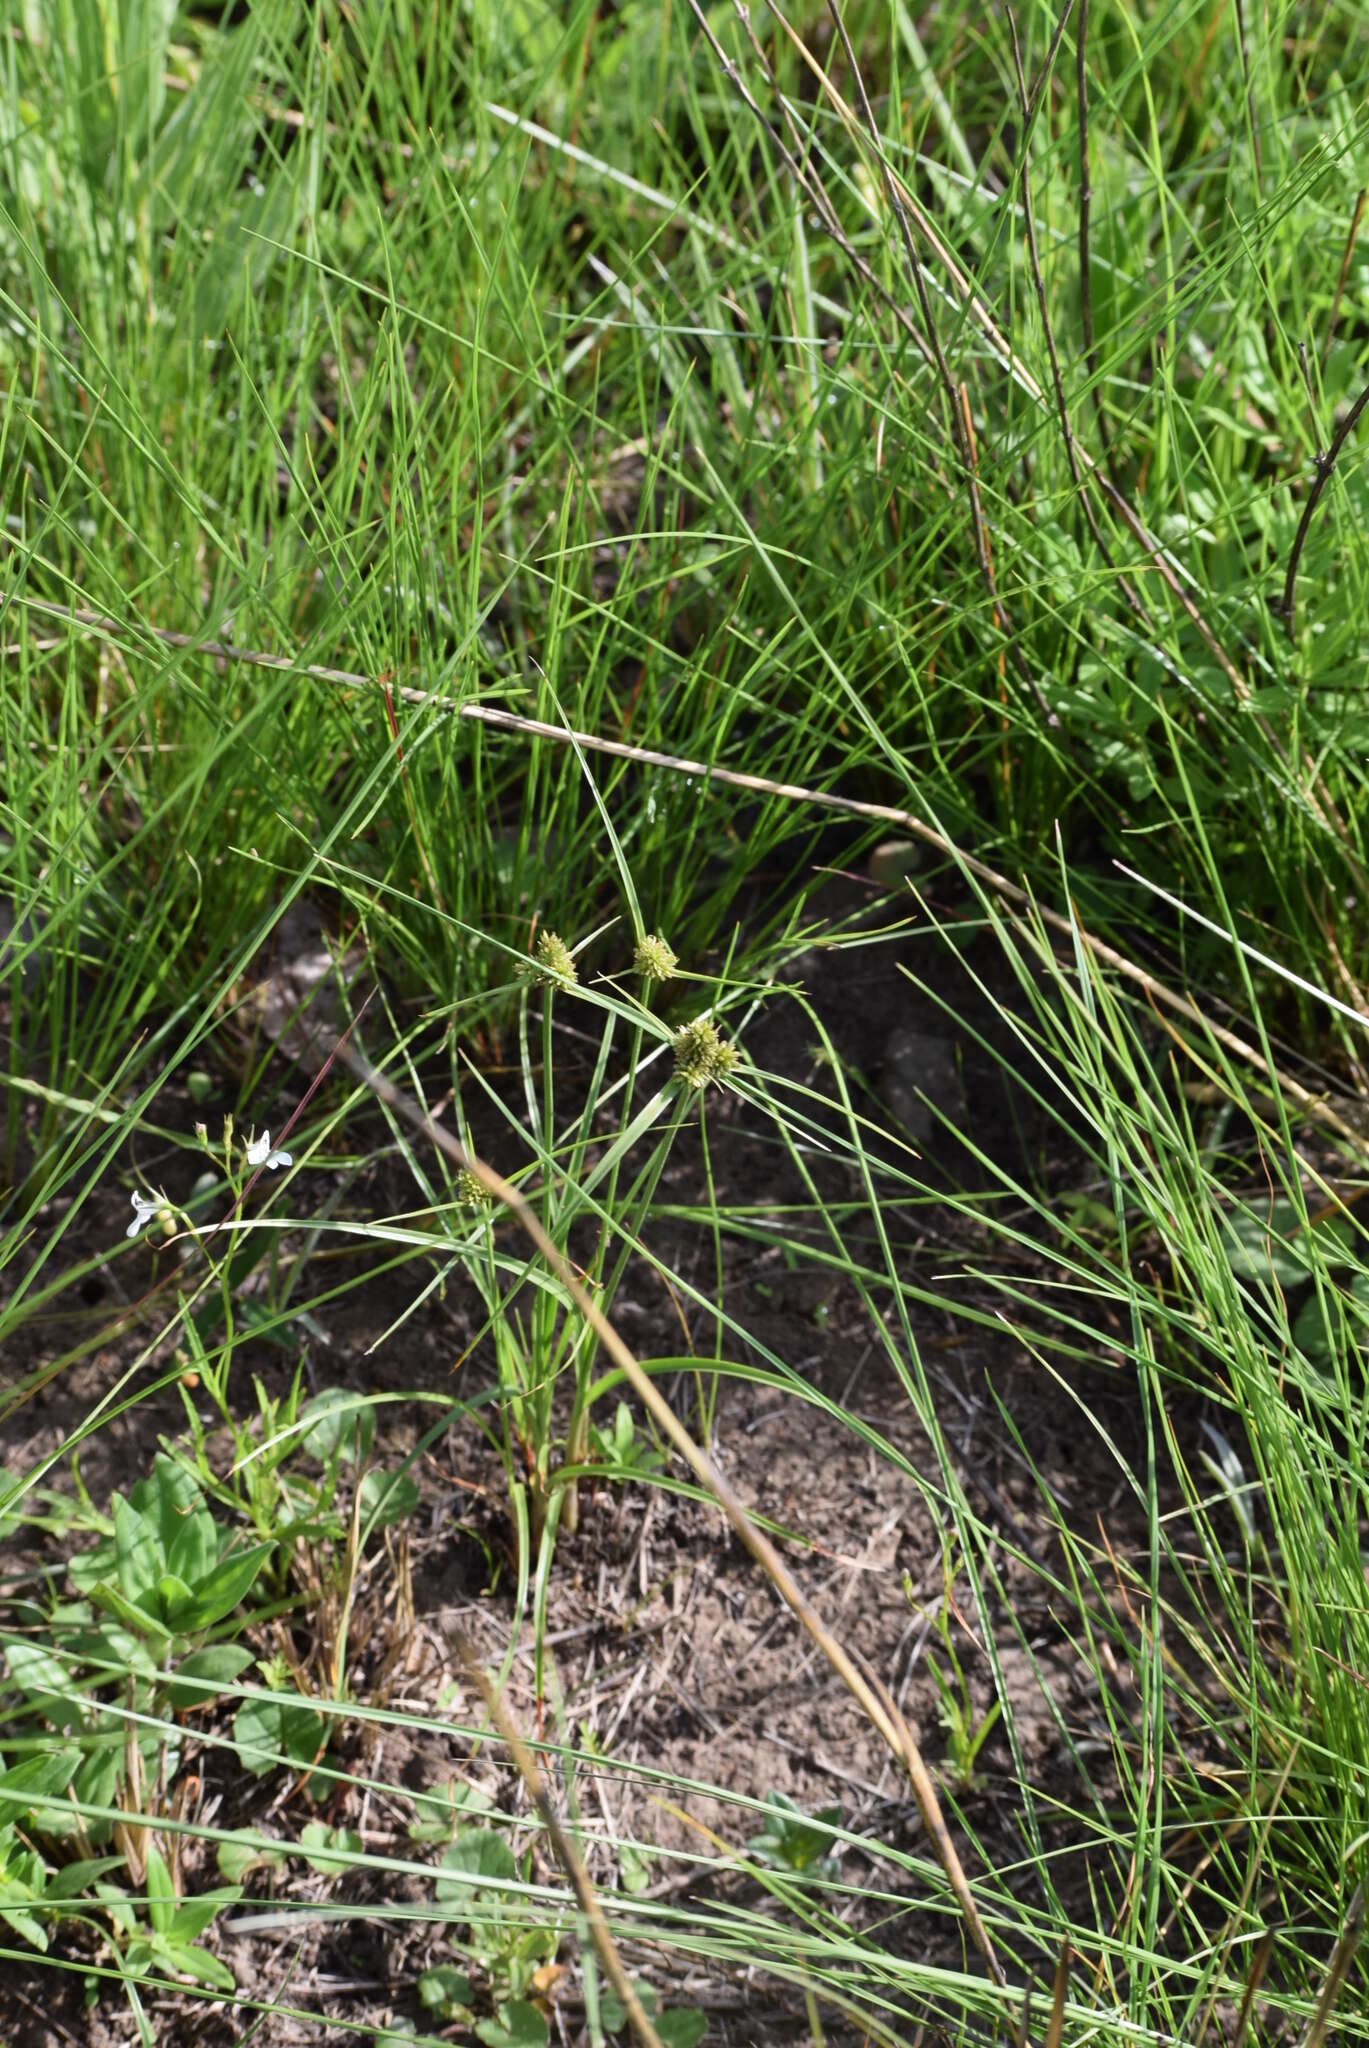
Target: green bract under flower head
pixel 551 964
pixel 702 1055
pixel 653 958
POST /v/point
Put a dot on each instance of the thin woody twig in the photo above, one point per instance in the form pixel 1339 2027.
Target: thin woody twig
pixel 812 187
pixel 1244 42
pixel 1039 283
pixel 909 249
pixel 1325 464
pixel 1259 1963
pixel 983 318
pixel 1341 1958
pixel 1055 2026
pixel 961 427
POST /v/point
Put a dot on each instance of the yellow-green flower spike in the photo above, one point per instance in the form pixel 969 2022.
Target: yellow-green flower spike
pixel 653 958
pixel 471 1192
pixel 551 963
pixel 702 1055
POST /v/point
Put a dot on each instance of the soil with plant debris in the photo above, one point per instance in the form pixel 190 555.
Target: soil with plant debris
pixel 665 1648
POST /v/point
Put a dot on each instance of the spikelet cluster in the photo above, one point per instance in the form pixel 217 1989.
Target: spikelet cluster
pixel 471 1192
pixel 551 965
pixel 702 1055
pixel 653 958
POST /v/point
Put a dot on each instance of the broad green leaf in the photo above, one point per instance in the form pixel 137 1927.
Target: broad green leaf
pixel 37 1777
pixel 138 1555
pixel 480 1856
pixel 387 1497
pixel 224 1588
pixel 142 1620
pixel 46 1684
pixel 340 1425
pixel 328 1850
pixel 161 1893
pixel 198 1677
pixel 1276 1241
pixel 199 1964
pixel 518 2025
pixel 684 2028
pixel 175 1597
pixel 194 1915
pixel 1310 1332
pixel 248 1849
pixel 445 1991
pixel 190 1540
pixel 71 1879
pixel 266 1730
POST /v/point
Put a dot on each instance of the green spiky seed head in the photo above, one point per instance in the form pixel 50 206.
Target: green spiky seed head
pixel 471 1192
pixel 653 958
pixel 551 964
pixel 702 1055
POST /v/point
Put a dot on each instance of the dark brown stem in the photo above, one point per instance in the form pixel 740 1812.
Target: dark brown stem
pixel 1055 2028
pixel 1325 464
pixel 1259 1963
pixel 905 230
pixel 1341 1958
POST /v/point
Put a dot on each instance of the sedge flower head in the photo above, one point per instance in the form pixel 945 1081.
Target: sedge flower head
pixel 653 958
pixel 552 964
pixel 702 1054
pixel 471 1192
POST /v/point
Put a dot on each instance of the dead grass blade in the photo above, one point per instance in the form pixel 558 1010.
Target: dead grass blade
pixel 1341 1958
pixel 1259 1963
pixel 1059 1991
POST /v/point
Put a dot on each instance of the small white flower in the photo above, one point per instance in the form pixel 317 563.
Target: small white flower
pixel 259 1153
pixel 145 1208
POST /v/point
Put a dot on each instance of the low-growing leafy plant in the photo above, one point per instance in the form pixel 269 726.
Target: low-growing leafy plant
pixel 622 1452
pixel 967 1730
pixel 33 1891
pixel 289 1506
pixel 677 2027
pixel 167 1942
pixel 797 1843
pixel 506 1936
pixel 148 1640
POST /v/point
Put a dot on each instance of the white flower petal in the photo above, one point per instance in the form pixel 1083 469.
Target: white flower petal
pixel 275 1159
pixel 258 1149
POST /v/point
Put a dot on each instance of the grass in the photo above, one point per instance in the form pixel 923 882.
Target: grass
pixel 628 373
